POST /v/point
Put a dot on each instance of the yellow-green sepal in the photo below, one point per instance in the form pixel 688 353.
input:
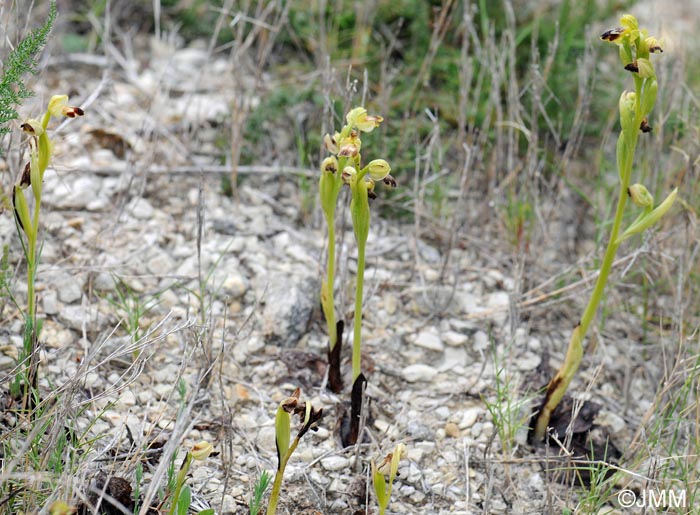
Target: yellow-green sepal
pixel 646 220
pixel 45 149
pixel 649 92
pixel 379 484
pixel 359 209
pixel 22 211
pixel 282 433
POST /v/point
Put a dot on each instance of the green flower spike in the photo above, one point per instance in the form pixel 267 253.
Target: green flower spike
pixel 387 469
pixel 635 48
pixel 309 417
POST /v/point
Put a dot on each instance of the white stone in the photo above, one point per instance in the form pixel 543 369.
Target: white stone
pixel 333 463
pixel 453 338
pixel 418 372
pixel 614 422
pixel 73 317
pixel 429 339
pixel 235 285
pixel 453 358
pixel 469 417
pixel 442 412
pixel 50 302
pixel 528 362
pixel 127 398
pixel 266 438
pixel 481 341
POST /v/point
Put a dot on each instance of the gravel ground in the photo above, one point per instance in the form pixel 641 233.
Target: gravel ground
pixel 121 217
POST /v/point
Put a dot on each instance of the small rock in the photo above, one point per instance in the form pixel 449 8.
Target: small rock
pixel 534 345
pixel 266 438
pixel 614 422
pixel 453 357
pixel 418 372
pixel 127 398
pixel 528 362
pixel 333 463
pixel 289 303
pixel 74 317
pixel 140 208
pixel 229 504
pixel 235 285
pixel 481 341
pixel 442 412
pixel 469 417
pixel 70 289
pixel 429 339
pixel 454 339
pixel 391 304
pixel 50 302
pixel 418 431
pixel 452 430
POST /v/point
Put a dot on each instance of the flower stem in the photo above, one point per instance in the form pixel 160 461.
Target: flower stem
pixel 181 477
pixel 357 333
pixel 328 299
pixel 574 355
pixel 277 484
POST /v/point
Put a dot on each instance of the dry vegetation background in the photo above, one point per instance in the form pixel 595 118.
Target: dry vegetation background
pixel 183 245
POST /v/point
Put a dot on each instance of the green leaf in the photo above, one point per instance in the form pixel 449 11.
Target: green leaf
pixel 183 503
pixel 379 486
pixel 282 434
pixel 642 223
pixel 208 511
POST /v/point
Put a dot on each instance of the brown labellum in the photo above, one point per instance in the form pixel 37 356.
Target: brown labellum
pixel 632 67
pixel 612 34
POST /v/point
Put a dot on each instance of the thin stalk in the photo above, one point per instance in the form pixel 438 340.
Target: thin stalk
pixel 357 334
pixel 558 386
pixel 277 484
pixel 181 478
pixel 330 282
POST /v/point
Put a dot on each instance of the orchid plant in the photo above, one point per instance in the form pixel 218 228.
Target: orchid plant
pixel 635 47
pixel 31 178
pixel 344 167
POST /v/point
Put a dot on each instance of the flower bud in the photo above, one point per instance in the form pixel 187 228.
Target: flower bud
pixel 359 118
pixel 58 106
pixel 369 123
pixel 378 169
pixel 653 44
pixel 57 103
pixel 644 68
pixel 349 174
pixel 640 196
pixel 201 450
pixel 626 55
pixel 25 178
pixel 331 143
pixel 648 219
pixel 348 150
pixel 21 210
pixel 328 186
pixel 329 165
pixel 32 127
pixel 354 114
pixel 627 115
